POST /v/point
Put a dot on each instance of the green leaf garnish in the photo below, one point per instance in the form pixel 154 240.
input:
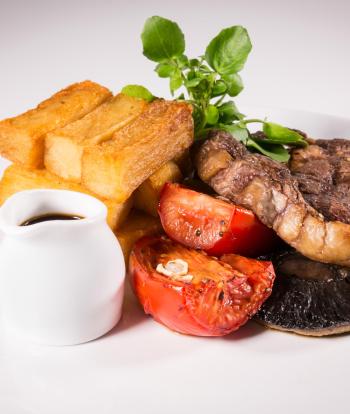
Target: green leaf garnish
pixel 138 91
pixel 275 151
pixel 175 81
pixel 229 50
pixel 206 82
pixel 238 132
pixel 212 115
pixel 165 70
pixel 162 39
pixel 192 83
pixel 234 84
pixel 219 88
pixel 228 112
pixel 278 133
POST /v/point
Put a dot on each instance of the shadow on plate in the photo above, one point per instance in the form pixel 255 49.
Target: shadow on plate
pixel 247 331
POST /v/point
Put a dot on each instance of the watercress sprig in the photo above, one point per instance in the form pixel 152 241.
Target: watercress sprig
pixel 208 82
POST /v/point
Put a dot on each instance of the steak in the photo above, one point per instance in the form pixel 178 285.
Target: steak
pixel 272 192
pixel 323 174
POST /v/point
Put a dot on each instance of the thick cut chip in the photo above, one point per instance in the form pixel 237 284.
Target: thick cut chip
pixel 22 137
pixel 16 178
pixel 147 195
pixel 137 225
pixel 64 146
pixel 117 167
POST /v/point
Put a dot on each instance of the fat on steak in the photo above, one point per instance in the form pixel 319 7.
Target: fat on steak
pixel 269 189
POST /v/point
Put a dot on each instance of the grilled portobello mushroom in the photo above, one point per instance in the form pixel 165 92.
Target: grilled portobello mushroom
pixel 308 298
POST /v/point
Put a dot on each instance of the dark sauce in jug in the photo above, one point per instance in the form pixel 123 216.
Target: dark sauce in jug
pixel 50 217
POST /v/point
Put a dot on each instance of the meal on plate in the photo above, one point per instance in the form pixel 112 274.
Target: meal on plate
pixel 219 223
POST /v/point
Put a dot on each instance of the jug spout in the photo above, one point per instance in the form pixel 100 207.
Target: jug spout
pixel 26 205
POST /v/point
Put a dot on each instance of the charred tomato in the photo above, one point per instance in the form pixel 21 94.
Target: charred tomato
pixel 204 222
pixel 196 294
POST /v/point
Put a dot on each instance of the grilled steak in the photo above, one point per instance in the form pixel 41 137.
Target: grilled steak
pixel 323 174
pixel 269 189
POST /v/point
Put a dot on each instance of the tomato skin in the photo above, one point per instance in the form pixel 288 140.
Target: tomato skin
pixel 204 307
pixel 165 302
pixel 203 222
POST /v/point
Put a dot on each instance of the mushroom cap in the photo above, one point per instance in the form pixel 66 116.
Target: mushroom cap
pixel 308 297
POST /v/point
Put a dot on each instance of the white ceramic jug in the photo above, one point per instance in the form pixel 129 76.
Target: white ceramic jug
pixel 62 282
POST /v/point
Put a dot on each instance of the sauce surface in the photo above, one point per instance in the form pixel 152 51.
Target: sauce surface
pixel 49 217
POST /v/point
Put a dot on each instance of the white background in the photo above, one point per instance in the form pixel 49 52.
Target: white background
pixel 301 60
pixel 301 55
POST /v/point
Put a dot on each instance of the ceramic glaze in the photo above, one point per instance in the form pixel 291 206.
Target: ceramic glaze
pixel 62 282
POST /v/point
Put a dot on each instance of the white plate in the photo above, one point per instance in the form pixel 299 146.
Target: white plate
pixel 141 367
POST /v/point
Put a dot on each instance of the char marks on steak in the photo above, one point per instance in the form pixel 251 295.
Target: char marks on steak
pixel 230 168
pixel 323 174
pixel 270 190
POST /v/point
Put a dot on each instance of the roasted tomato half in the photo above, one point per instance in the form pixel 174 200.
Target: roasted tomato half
pixel 196 294
pixel 203 222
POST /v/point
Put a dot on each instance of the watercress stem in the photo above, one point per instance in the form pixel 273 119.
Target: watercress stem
pixel 218 102
pixel 253 121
